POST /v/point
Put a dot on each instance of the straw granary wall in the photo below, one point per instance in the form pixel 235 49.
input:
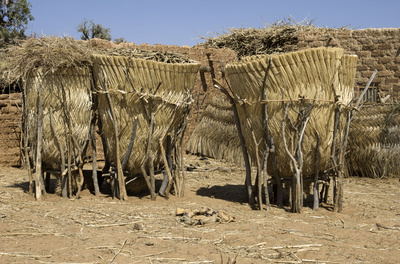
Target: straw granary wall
pixel 220 57
pixel 376 49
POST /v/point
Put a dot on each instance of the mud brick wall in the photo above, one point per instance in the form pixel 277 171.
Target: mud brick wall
pixel 10 106
pixel 376 49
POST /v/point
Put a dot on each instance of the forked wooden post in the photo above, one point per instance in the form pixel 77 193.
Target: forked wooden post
pixel 62 153
pixel 120 174
pixel 39 182
pixel 316 172
pixel 94 161
pixel 248 184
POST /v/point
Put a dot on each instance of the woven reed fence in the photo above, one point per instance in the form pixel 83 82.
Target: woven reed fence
pixel 216 135
pixel 374 141
pixel 158 97
pixel 292 101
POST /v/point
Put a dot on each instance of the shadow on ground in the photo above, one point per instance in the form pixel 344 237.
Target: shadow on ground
pixel 232 193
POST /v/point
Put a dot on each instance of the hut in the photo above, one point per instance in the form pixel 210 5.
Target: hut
pixel 143 100
pixel 57 107
pixel 294 104
pixel 374 141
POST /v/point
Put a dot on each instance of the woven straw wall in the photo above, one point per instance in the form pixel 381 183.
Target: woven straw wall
pixel 315 74
pixel 374 141
pixel 216 135
pixel 132 85
pixel 74 108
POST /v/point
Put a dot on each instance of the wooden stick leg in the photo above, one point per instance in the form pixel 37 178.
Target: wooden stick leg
pixel 94 163
pixel 316 173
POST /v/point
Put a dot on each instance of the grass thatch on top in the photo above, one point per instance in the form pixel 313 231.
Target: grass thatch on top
pixel 278 37
pixel 47 54
pixel 158 56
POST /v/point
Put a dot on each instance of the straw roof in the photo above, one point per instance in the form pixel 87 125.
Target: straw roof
pixel 153 55
pixel 279 37
pixel 216 134
pixel 137 88
pixel 49 54
pixel 374 141
pixel 314 77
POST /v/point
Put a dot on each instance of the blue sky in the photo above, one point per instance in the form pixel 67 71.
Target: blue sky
pixel 182 22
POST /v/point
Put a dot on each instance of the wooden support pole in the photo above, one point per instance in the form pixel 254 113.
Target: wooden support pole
pixel 248 184
pixel 62 153
pixel 149 178
pixel 167 169
pixel 259 174
pixel 169 161
pixel 94 161
pixel 265 177
pixel 316 172
pixel 69 177
pixel 130 146
pixel 277 178
pixel 267 137
pixel 120 174
pixel 81 177
pixel 25 136
pixel 39 182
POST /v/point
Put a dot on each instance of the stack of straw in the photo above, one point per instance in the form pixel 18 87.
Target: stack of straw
pixel 315 77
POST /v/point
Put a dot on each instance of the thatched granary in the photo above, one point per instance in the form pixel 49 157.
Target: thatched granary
pixel 153 87
pixel 57 113
pixel 314 76
pixel 292 100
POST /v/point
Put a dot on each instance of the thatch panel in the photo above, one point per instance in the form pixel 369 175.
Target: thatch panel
pixel 67 92
pixel 216 135
pixel 314 74
pixel 135 95
pixel 374 141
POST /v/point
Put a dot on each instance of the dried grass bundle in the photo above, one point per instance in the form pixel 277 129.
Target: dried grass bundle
pixel 281 36
pixel 47 54
pixel 159 56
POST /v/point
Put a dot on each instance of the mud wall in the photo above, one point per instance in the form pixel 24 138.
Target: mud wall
pixel 10 107
pixel 376 49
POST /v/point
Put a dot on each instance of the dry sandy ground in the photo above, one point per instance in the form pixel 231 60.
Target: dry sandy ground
pixel 102 230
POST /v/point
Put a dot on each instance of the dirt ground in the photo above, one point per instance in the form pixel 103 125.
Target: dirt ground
pixel 105 230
